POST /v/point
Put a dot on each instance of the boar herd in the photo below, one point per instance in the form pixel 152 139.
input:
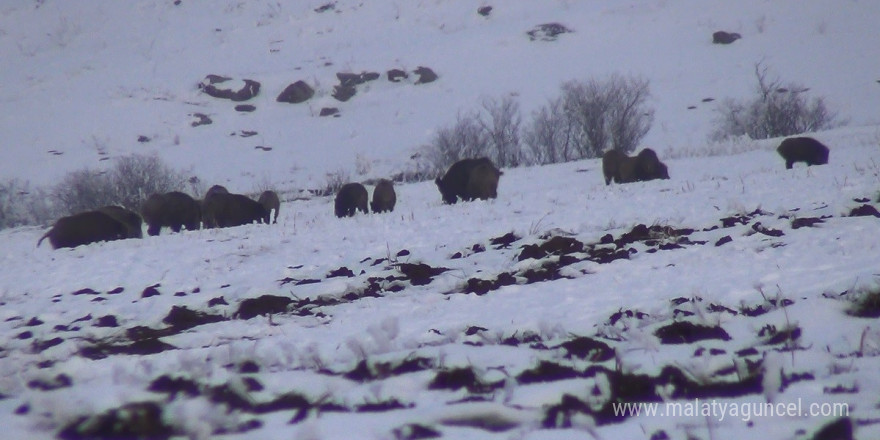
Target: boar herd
pixel 174 210
pixel 467 179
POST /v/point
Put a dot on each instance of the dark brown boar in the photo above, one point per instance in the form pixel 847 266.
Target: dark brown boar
pixel 84 228
pixel 611 161
pixel 227 210
pixel 649 167
pixel 174 209
pixel 132 221
pixel 803 149
pixel 270 201
pixel 621 168
pixel 384 197
pixel 469 179
pixel 351 197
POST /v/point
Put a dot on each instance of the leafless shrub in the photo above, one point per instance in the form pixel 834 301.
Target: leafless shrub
pixel 777 110
pixel 128 183
pixel 134 178
pixel 589 118
pixel 83 190
pixel 335 180
pixel 500 122
pixel 493 132
pixel 550 138
pixel 465 138
pixel 417 170
pixel 22 205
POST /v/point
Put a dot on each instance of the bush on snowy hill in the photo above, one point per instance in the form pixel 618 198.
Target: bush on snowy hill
pixel 589 118
pixel 132 179
pixel 493 132
pixel 22 205
pixel 776 110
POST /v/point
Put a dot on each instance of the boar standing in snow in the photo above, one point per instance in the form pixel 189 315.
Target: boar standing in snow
pixel 174 209
pixel 224 210
pixel 469 179
pixel 351 197
pixel 621 168
pixel 84 228
pixel 269 199
pixel 384 197
pixel 803 149
pixel 132 221
pixel 649 167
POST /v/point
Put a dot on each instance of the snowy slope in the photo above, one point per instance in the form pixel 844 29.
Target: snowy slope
pixel 490 347
pixel 52 327
pixel 88 79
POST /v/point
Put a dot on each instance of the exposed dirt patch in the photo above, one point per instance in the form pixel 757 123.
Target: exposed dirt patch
pixel 263 305
pixel 182 318
pixel 686 332
pixel 419 274
pixel 141 420
pixel 458 378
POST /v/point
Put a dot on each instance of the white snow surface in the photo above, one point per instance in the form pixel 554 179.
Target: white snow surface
pixel 87 78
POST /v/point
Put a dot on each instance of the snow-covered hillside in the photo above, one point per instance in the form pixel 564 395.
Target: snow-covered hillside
pixel 526 317
pixel 87 80
pixel 320 327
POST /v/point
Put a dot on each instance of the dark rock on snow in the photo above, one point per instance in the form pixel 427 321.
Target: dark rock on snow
pixel 201 119
pixel 343 92
pixel 353 79
pixel 296 93
pixel 326 7
pixel 223 87
pixel 722 37
pixel 547 32
pixel 396 75
pixel 426 75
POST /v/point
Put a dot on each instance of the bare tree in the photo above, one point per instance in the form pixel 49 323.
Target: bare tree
pixel 20 204
pixel 465 138
pixel 587 104
pixel 136 177
pixel 589 118
pixel 629 121
pixel 335 181
pixel 547 138
pixel 128 183
pixel 493 132
pixel 776 110
pixel 500 124
pixel 131 180
pixel 83 190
